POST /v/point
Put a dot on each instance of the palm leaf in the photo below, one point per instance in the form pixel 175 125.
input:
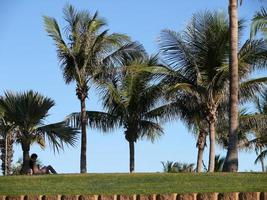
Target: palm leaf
pixel 58 134
pixel 99 120
pixel 259 22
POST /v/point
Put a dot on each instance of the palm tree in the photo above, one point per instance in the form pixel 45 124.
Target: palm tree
pixel 86 54
pixel 130 99
pixel 27 111
pixel 218 163
pixel 176 167
pixel 198 60
pixel 231 160
pixel 169 167
pixel 259 23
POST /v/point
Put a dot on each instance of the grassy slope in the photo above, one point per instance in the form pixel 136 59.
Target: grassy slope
pixel 158 183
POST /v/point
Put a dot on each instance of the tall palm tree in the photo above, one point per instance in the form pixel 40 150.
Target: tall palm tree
pixel 27 112
pixel 129 99
pixel 198 65
pixel 85 54
pixel 231 160
pixel 259 23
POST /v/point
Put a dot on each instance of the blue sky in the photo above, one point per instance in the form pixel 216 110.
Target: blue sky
pixel 28 61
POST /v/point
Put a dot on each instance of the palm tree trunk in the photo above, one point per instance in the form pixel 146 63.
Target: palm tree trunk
pixel 262 162
pixel 9 153
pixel 83 167
pixel 262 165
pixel 26 157
pixel 6 146
pixel 212 145
pixel 131 147
pixel 231 161
pixel 201 142
pixel 3 156
pixel 199 159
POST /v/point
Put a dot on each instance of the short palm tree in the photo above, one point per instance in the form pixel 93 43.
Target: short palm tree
pixel 169 167
pixel 197 62
pixel 259 23
pixel 129 99
pixel 176 167
pixel 86 54
pixel 26 112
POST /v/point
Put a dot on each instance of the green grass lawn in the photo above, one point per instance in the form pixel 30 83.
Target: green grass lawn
pixel 139 183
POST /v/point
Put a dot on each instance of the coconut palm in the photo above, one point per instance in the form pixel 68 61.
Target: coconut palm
pixel 129 99
pixel 85 54
pixel 259 23
pixel 197 62
pixel 26 111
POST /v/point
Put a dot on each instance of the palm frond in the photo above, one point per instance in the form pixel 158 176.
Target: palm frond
pixel 98 120
pixel 259 22
pixel 58 134
pixel 26 109
pixel 150 130
pixel 125 54
pixel 249 88
pixel 251 56
pixel 262 155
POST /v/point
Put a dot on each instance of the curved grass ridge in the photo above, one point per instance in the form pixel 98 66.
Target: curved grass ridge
pixel 139 183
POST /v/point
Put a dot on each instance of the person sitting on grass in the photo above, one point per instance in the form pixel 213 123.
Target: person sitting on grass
pixel 36 168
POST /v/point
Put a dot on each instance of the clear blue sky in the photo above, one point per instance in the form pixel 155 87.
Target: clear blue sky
pixel 28 61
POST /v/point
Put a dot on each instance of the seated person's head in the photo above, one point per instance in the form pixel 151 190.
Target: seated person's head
pixel 34 156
